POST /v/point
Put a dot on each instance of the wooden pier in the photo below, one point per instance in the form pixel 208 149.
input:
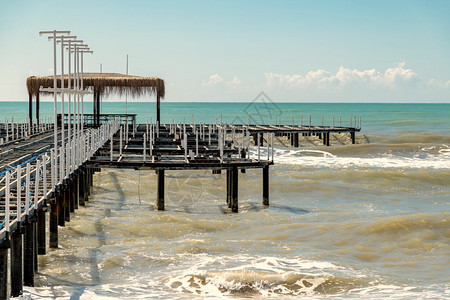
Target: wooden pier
pixel 35 179
pixel 48 167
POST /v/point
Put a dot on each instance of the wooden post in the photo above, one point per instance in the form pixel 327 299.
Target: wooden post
pixel 71 197
pixel 91 183
pixel 229 188
pixel 326 138
pixel 16 264
pixel 54 222
pixel 88 184
pixel 97 101
pixel 35 243
pixel 37 109
pixel 68 198
pixel 158 113
pixel 4 246
pixel 353 136
pixel 42 249
pixel 82 194
pixel 30 109
pixel 266 185
pixel 160 195
pixel 295 137
pixel 61 209
pixel 75 190
pixel 28 255
pixel 95 108
pixel 65 210
pixel 243 155
pixel 234 189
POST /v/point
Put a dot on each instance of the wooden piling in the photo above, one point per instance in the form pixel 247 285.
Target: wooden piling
pixel 295 138
pixel 61 208
pixel 158 109
pixel 353 137
pixel 266 185
pixel 160 195
pixel 243 155
pixel 42 249
pixel 75 190
pixel 54 223
pixel 67 200
pixel 82 185
pixel 4 246
pixel 229 179
pixel 35 243
pixel 30 108
pixel 234 189
pixel 326 138
pixel 37 109
pixel 70 196
pixel 16 263
pixel 90 183
pixel 28 255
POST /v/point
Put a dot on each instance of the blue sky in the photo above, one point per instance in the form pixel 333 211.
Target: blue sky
pixel 303 51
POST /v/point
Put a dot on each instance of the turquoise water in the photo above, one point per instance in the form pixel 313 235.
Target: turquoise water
pixel 376 117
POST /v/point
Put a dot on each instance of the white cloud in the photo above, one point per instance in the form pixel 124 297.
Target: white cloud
pixel 436 83
pixel 235 82
pixel 213 80
pixel 390 78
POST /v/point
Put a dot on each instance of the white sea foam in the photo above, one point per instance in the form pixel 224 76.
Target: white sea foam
pixel 321 159
pixel 214 276
pixel 229 276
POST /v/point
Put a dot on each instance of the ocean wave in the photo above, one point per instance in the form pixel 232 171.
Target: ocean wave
pixel 262 276
pixel 366 156
pixel 272 277
pixel 438 224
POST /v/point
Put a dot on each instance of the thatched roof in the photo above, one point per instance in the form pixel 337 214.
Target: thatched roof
pixel 105 84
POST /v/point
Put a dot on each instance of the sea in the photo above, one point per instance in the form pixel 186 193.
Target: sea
pixel 370 220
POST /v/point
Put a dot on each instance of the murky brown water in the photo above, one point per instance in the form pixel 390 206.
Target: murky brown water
pixel 351 221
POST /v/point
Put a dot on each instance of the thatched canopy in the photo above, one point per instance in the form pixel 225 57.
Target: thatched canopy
pixel 105 84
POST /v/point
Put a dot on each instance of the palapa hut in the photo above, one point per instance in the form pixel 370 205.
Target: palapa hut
pixel 101 84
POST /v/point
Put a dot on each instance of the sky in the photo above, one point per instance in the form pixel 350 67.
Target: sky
pixel 294 51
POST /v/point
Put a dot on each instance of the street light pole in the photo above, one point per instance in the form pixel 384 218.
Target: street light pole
pixel 71 43
pixel 55 130
pixel 63 168
pixel 70 134
pixel 82 51
pixel 79 48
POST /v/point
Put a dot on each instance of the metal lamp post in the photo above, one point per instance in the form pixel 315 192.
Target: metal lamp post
pixel 54 33
pixel 77 50
pixel 69 44
pixel 62 38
